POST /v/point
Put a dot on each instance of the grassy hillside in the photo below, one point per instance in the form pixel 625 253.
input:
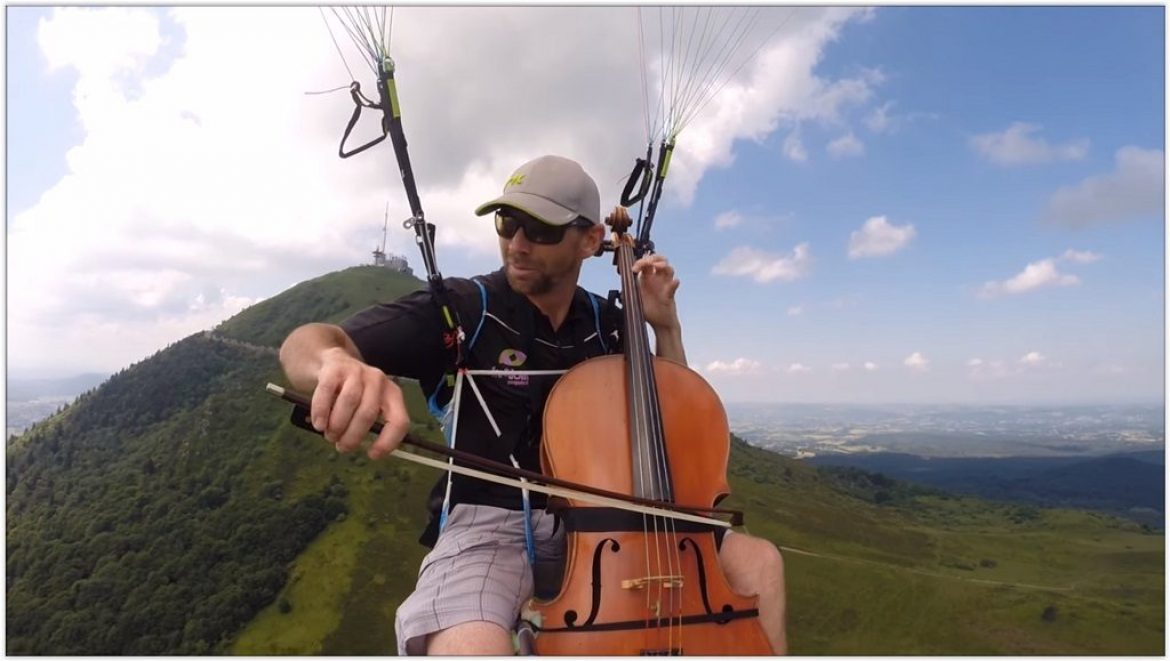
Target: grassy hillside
pixel 928 573
pixel 329 298
pixel 155 515
pixel 176 510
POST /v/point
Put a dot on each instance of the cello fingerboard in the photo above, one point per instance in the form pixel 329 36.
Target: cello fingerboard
pixel 648 449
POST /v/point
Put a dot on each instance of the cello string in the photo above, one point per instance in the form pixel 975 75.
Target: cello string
pixel 674 559
pixel 636 436
pixel 661 479
pixel 636 332
pixel 652 441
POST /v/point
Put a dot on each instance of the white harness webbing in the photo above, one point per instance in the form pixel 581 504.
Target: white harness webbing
pixel 451 427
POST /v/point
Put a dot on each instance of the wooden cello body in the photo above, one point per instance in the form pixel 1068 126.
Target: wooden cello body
pixel 635 584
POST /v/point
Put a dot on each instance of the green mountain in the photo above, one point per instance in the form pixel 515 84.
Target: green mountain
pixel 175 510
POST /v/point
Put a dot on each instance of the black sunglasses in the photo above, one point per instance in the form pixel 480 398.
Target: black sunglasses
pixel 507 222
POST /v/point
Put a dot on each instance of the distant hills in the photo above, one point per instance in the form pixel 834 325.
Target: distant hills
pixel 1127 484
pixel 31 399
pixel 175 510
pixel 25 389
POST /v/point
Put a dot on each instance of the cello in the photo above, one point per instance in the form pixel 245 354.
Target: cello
pixel 649 427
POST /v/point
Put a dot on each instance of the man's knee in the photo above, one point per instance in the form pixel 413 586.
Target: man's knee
pixel 770 559
pixel 751 562
pixel 471 638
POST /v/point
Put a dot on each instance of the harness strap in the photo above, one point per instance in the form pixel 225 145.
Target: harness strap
pixel 359 101
pixel 449 417
pixel 529 544
pixel 597 321
pixel 449 380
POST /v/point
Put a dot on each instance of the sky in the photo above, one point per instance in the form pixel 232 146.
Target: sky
pixel 887 205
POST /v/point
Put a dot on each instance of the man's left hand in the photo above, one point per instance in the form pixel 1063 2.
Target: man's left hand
pixel 657 285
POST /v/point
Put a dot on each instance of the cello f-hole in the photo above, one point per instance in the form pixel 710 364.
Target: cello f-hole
pixel 571 616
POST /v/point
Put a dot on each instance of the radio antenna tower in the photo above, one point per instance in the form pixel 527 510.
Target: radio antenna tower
pixel 380 253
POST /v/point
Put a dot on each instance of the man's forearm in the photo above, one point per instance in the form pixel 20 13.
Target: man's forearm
pixel 302 352
pixel 668 344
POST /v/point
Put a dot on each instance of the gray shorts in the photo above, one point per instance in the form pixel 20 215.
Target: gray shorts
pixel 478 571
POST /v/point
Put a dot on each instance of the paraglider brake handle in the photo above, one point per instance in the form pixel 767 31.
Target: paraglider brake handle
pixel 359 101
pixel 641 172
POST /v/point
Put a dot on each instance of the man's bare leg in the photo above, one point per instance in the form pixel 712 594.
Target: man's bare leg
pixel 471 638
pixel 754 566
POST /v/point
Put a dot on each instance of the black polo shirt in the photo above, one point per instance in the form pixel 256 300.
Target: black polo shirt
pixel 403 338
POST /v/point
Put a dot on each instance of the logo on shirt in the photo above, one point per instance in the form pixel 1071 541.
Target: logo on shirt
pixel 511 359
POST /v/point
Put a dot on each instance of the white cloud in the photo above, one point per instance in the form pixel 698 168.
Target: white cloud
pixel 841 302
pixel 795 310
pixel 1110 369
pixel 766 267
pixel 845 146
pixel 917 362
pixel 108 48
pixel 877 238
pixel 778 88
pixel 870 366
pixel 840 367
pixel 879 120
pixel 735 367
pixel 827 100
pixel 1135 189
pixel 1036 275
pixel 199 184
pixel 798 368
pixel 794 148
pixel 728 219
pixel 983 370
pixel 1035 360
pixel 1015 146
pixel 1080 256
pixel 986 370
pixel 1032 359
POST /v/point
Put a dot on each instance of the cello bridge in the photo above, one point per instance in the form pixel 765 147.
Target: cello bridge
pixel 661 581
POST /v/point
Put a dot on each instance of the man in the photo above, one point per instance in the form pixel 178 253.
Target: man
pixel 528 316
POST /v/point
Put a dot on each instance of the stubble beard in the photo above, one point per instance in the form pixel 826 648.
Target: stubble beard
pixel 543 276
pixel 544 273
pixel 541 284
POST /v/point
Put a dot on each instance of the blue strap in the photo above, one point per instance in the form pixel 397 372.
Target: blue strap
pixel 447 434
pixel 482 315
pixel 529 543
pixel 597 320
pixel 433 403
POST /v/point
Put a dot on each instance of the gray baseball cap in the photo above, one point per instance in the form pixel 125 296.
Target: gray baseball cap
pixel 553 189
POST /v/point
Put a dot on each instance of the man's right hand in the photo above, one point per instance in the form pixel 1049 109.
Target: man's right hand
pixel 348 394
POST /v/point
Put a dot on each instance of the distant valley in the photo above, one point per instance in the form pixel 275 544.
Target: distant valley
pixel 29 400
pixel 805 430
pixel 1105 458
